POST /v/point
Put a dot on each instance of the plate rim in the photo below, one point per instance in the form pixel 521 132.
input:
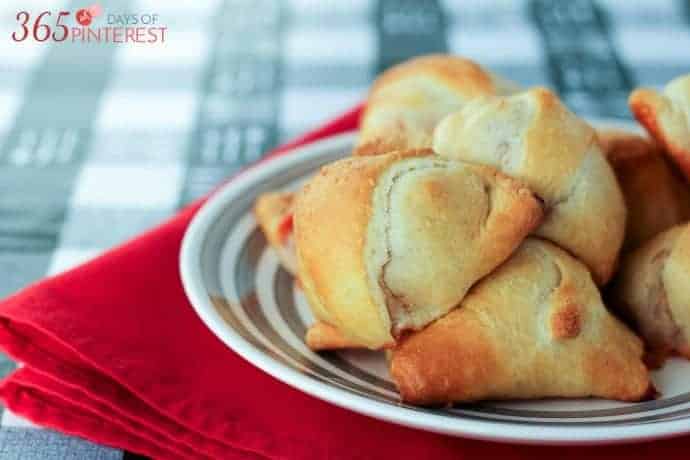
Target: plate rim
pixel 501 431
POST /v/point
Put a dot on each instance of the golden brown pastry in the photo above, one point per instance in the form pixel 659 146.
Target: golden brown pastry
pixel 408 100
pixel 322 336
pixel 273 213
pixel 388 243
pixel 534 328
pixel 666 116
pixel 653 290
pixel 655 196
pixel 533 137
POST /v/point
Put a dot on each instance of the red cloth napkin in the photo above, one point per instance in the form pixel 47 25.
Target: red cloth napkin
pixel 114 353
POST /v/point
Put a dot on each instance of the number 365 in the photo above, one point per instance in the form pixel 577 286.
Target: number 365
pixel 41 32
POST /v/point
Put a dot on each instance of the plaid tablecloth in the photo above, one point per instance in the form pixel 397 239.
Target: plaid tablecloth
pixel 99 142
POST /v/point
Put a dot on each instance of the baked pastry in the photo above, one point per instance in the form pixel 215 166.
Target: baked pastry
pixel 666 116
pixel 322 336
pixel 534 328
pixel 404 105
pixel 653 291
pixel 408 100
pixel 656 197
pixel 389 243
pixel 273 213
pixel 533 137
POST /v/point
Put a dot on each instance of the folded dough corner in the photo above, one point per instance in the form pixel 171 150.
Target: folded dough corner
pixel 389 243
pixel 535 328
pixel 533 137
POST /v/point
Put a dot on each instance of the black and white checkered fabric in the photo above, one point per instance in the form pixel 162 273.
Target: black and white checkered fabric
pixel 98 143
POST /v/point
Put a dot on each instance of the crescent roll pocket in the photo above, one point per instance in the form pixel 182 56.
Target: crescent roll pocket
pixel 656 197
pixel 534 328
pixel 666 116
pixel 273 213
pixel 653 290
pixel 408 100
pixel 391 242
pixel 533 137
pixel 322 336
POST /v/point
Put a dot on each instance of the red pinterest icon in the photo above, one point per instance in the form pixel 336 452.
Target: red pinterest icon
pixel 84 17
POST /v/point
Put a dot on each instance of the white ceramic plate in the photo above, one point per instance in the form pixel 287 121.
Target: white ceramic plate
pixel 237 287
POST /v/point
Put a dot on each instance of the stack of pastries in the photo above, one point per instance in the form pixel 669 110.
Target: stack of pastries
pixel 494 244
